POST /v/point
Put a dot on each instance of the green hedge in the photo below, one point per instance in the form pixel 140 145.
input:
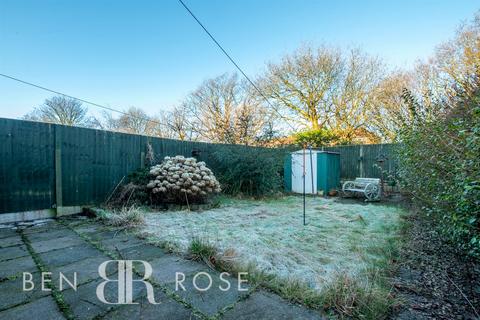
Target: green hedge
pixel 249 171
pixel 440 165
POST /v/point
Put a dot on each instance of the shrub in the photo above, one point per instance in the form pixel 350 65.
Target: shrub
pixel 139 177
pixel 181 180
pixel 440 165
pixel 249 171
pixel 133 190
pixel 316 138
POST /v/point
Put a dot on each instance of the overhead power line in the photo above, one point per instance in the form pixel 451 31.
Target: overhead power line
pixel 147 119
pixel 231 59
pixel 79 99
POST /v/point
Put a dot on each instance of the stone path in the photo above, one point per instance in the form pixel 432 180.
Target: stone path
pixel 79 246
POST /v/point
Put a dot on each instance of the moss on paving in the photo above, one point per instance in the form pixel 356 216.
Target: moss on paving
pixel 56 294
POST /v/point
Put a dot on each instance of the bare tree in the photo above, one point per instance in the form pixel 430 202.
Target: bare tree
pixel 61 110
pixel 223 109
pixel 134 120
pixel 390 112
pixel 458 61
pixel 304 84
pixel 453 70
pixel 354 99
pixel 178 124
pixel 324 88
pixel 433 85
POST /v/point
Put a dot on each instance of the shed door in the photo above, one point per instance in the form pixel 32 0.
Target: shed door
pixel 297 172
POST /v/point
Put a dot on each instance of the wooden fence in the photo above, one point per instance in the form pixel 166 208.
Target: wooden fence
pixel 47 166
pixel 370 161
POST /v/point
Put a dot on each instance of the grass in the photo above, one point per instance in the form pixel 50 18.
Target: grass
pixel 126 217
pixel 357 297
pixel 203 250
pixel 340 262
pixel 363 296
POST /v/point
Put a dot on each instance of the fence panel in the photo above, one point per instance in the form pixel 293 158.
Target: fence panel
pixel 27 175
pixel 94 162
pixel 366 160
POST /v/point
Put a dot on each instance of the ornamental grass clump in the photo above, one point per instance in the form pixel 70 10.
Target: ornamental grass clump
pixel 182 180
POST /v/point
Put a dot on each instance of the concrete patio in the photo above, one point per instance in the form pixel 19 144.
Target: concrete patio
pixel 81 245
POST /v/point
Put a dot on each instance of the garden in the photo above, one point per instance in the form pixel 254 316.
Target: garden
pixel 337 262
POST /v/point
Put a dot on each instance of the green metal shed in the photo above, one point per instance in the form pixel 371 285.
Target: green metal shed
pixel 322 173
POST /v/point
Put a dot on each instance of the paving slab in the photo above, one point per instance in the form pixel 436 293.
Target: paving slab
pixel 7 232
pixel 85 304
pixel 104 233
pixel 146 252
pixel 167 309
pixel 13 252
pixel 12 293
pixel 9 241
pixel 15 267
pixel 75 221
pixel 89 228
pixel 86 270
pixel 43 228
pixel 52 234
pixel 213 300
pixel 59 243
pixel 44 308
pixel 166 267
pixel 70 255
pixel 268 306
pixel 120 242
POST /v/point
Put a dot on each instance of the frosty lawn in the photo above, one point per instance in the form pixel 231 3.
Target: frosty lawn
pixel 340 236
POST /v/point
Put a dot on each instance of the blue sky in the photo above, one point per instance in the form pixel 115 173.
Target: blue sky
pixel 150 54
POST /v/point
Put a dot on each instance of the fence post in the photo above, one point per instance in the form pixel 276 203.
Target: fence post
pixel 58 170
pixel 361 169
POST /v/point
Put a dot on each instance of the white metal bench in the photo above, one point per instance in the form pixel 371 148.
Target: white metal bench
pixel 370 187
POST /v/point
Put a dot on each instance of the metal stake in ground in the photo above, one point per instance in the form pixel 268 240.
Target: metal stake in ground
pixel 311 170
pixel 304 173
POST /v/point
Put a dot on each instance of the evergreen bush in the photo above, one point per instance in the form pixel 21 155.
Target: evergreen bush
pixel 249 171
pixel 440 166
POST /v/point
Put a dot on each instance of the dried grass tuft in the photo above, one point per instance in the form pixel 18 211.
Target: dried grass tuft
pixel 126 217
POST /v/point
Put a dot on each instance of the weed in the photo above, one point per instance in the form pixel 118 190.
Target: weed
pixel 126 217
pixel 56 294
pixel 201 249
pixel 358 297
